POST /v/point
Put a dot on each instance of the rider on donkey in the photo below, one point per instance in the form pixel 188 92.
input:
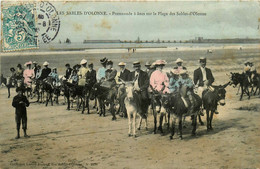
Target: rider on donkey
pixel 45 71
pixel 141 84
pixel 179 66
pixel 203 77
pixel 110 75
pixel 159 80
pixel 19 72
pixel 186 82
pixel 82 72
pixel 101 73
pixel 123 76
pixel 28 74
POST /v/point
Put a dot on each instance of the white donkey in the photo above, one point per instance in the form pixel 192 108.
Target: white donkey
pixel 131 104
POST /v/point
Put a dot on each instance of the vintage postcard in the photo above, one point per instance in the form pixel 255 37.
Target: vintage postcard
pixel 130 84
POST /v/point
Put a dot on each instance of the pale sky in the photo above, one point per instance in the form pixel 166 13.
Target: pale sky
pixel 222 20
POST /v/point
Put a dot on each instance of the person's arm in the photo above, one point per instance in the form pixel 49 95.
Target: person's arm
pixel 112 75
pixel 195 77
pixel 15 102
pixel 211 78
pixel 146 82
pixel 26 102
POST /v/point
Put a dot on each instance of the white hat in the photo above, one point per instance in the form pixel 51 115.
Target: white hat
pixel 183 71
pixel 121 64
pixel 45 63
pixel 178 60
pixel 160 62
pixel 83 61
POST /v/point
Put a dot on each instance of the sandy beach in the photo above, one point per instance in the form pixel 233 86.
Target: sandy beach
pixel 68 139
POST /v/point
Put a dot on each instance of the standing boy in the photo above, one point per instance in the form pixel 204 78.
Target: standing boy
pixel 20 102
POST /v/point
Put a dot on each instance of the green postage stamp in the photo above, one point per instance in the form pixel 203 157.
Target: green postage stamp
pixel 19 27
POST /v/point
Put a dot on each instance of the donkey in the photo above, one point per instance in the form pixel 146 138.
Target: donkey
pixel 211 99
pixel 134 108
pixel 10 82
pixel 105 96
pixel 242 81
pixel 177 106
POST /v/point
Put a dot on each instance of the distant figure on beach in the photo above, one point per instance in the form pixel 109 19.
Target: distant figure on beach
pixel 20 102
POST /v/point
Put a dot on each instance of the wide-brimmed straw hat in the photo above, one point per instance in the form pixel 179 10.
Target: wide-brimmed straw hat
pixel 179 60
pixel 83 61
pixel 160 62
pixel 45 63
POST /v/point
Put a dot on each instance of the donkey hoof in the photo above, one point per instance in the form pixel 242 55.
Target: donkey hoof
pixel 82 112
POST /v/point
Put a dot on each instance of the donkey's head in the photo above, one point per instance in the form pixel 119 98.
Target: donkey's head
pixel 221 93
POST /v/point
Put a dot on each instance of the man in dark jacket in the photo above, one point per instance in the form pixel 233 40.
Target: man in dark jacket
pixel 203 77
pixel 20 102
pixel 141 84
pixel 68 71
pixel 91 75
pixel 45 71
pixel 124 73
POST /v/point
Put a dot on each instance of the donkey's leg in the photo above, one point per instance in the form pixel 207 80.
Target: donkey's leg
pixel 155 121
pixel 193 133
pixel 208 121
pixel 201 122
pixel 160 122
pixel 140 122
pixel 173 127
pixel 129 124
pixel 51 96
pixel 8 89
pixel 168 125
pixel 238 89
pixel 180 127
pixel 242 92
pixel 134 125
pixel 47 99
pixel 211 118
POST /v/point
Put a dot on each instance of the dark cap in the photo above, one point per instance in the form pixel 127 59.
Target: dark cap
pixel 136 64
pixel 19 65
pixel 12 69
pixel 103 60
pixel 67 64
